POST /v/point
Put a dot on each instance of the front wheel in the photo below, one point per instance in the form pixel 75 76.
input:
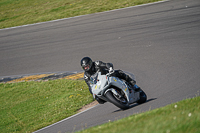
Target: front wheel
pixel 121 104
pixel 143 97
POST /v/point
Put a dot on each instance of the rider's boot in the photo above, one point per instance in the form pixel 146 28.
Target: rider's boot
pixel 133 84
pixel 136 88
pixel 126 77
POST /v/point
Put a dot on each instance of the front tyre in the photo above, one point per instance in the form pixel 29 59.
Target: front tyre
pixel 115 101
pixel 143 97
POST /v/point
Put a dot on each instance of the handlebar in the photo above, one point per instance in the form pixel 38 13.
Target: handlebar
pixel 111 72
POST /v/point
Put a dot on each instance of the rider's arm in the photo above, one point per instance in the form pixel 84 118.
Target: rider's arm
pixel 101 64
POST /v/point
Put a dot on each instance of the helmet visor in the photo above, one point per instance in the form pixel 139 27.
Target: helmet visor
pixel 87 67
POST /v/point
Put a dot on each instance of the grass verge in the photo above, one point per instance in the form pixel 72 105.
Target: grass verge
pixel 180 117
pixel 29 106
pixel 22 12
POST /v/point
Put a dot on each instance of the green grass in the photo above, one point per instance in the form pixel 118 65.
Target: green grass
pixel 180 117
pixel 28 106
pixel 21 12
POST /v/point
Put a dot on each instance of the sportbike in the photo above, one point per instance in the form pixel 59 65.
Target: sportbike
pixel 117 91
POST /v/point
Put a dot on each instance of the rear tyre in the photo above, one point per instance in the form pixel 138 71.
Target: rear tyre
pixel 116 102
pixel 143 97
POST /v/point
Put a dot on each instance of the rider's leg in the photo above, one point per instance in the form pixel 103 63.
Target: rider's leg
pixel 122 75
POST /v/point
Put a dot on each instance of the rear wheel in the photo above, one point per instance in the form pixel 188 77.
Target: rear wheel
pixel 143 97
pixel 121 103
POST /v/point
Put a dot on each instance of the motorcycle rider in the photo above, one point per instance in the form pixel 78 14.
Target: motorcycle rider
pixel 91 68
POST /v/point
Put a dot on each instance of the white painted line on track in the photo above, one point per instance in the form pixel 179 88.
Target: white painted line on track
pixel 65 119
pixel 83 15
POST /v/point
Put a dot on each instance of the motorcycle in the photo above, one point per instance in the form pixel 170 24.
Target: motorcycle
pixel 117 91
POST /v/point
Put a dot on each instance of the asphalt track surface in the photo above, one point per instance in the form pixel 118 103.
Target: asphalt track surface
pixel 158 43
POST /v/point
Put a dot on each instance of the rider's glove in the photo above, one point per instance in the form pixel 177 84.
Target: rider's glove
pixel 111 70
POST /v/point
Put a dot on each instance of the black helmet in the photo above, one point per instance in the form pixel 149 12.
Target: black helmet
pixel 86 63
